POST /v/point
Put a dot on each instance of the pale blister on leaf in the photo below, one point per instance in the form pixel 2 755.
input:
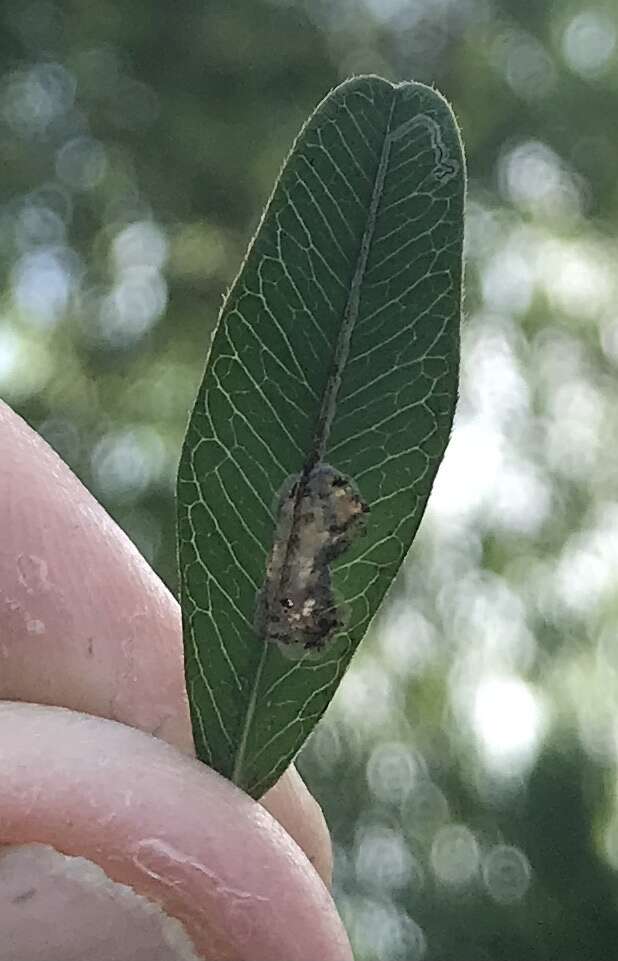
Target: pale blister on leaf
pixel 336 347
pixel 317 518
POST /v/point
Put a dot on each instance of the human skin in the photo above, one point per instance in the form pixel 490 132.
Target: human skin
pixel 85 624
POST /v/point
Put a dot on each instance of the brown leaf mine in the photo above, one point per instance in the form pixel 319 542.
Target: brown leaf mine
pixel 319 514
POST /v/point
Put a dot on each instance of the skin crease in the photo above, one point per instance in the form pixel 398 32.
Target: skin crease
pixel 85 624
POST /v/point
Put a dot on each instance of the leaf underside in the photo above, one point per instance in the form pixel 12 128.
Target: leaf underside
pixel 338 342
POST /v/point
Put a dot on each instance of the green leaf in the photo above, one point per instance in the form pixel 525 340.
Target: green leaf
pixel 338 343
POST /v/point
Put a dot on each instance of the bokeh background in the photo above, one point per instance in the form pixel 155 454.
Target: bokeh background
pixel 467 766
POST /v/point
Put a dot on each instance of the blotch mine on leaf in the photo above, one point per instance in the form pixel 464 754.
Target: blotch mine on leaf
pixel 319 514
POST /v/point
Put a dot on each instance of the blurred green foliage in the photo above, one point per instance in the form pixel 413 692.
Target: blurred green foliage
pixel 468 764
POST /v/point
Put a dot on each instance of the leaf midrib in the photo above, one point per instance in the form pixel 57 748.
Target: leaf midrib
pixel 350 313
pixel 329 398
